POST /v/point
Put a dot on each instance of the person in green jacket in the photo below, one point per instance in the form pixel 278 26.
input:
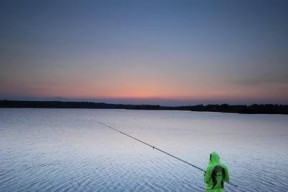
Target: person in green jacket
pixel 215 175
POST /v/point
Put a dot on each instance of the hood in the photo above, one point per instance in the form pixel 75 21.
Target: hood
pixel 214 158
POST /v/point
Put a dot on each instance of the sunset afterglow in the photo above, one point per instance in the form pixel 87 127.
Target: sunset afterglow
pixel 158 52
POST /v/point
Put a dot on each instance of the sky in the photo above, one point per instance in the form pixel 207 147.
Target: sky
pixel 167 52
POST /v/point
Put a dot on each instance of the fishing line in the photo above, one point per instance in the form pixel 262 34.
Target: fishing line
pixel 156 148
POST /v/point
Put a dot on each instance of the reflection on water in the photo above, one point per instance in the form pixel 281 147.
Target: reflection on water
pixel 67 150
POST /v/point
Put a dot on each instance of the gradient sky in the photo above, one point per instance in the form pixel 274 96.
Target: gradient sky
pixel 169 52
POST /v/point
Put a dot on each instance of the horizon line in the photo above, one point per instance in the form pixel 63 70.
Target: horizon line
pixel 108 103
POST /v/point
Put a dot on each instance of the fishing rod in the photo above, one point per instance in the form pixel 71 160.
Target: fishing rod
pixel 156 148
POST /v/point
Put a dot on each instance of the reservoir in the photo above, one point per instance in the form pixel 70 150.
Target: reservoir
pixel 68 150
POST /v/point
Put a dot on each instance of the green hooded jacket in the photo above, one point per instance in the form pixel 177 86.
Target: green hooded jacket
pixel 215 175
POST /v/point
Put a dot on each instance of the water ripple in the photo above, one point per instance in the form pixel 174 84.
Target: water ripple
pixel 66 150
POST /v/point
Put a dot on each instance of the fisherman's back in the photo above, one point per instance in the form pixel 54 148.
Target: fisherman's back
pixel 215 175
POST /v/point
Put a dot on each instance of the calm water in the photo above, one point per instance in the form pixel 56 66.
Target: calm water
pixel 67 150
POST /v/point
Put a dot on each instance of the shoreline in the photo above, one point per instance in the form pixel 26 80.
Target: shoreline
pixel 224 108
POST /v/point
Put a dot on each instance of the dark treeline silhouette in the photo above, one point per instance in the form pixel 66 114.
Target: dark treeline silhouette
pixel 225 108
pixel 64 104
pixel 247 109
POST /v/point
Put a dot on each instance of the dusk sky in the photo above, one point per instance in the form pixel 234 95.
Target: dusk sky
pixel 168 52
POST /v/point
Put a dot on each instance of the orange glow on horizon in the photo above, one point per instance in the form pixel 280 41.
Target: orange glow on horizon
pixel 141 89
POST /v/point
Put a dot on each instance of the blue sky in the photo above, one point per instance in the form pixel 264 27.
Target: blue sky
pixel 157 52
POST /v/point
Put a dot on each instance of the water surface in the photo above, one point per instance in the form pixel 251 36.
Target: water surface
pixel 67 150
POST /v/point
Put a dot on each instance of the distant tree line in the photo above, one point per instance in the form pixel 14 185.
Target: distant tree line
pixel 64 104
pixel 247 109
pixel 225 108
